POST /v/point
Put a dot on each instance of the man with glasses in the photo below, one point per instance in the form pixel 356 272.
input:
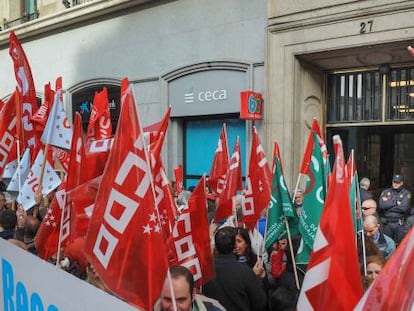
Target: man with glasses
pixel 394 204
pixel 369 207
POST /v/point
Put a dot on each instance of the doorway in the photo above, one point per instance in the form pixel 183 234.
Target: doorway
pixel 380 152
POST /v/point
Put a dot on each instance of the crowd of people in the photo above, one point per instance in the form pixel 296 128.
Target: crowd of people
pixel 247 276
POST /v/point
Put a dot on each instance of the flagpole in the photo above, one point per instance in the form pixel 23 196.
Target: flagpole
pixel 18 165
pixel 295 271
pixel 42 169
pixel 359 203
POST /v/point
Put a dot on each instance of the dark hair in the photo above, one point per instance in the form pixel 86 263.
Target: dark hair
pixel 251 256
pixel 8 219
pixel 225 239
pixel 31 227
pixel 178 271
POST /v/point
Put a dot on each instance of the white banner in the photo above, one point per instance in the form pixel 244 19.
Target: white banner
pixel 29 283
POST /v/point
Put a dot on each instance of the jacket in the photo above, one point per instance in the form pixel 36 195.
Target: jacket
pixel 203 303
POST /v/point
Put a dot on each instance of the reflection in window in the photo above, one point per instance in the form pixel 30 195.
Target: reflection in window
pixel 400 91
pixel 354 97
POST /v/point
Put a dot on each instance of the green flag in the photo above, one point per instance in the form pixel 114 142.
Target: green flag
pixel 280 207
pixel 314 194
pixel 354 194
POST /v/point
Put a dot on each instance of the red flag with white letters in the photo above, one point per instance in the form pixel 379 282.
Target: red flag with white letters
pixel 220 166
pixel 26 88
pixel 124 241
pixel 97 153
pixel 8 130
pixel 233 183
pixel 40 116
pixel 327 285
pixel 100 125
pixel 258 184
pixel 191 240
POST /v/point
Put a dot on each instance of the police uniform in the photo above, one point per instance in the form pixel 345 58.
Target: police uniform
pixel 394 205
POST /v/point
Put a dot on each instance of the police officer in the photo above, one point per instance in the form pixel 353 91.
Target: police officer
pixel 394 204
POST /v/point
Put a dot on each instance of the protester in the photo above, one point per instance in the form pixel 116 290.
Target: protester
pixel 278 258
pixel 298 201
pixel 394 204
pixel 185 294
pixel 374 266
pixel 235 286
pixel 364 192
pixel 285 292
pixel 3 201
pixel 245 254
pixel 372 229
pixel 8 221
pixel 369 207
pixel 31 227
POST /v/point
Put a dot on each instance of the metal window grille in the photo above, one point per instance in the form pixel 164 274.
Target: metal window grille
pixel 400 94
pixel 354 97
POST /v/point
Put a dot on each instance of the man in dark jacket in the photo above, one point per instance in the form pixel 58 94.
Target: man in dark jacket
pixel 236 286
pixel 394 204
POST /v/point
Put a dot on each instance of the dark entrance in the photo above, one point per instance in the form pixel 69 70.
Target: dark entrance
pixel 380 151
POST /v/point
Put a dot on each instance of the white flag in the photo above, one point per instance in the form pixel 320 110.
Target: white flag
pixel 23 171
pixel 58 131
pixel 9 170
pixel 50 181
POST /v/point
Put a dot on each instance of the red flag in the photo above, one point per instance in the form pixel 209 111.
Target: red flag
pixel 393 287
pixel 191 237
pixel 97 153
pixel 164 198
pixel 304 167
pixel 76 175
pixel 83 202
pixel 8 130
pixel 124 241
pixel 39 118
pixel 233 183
pixel 2 103
pixel 47 237
pixel 26 88
pixel 156 141
pixel 327 285
pixel 100 125
pixel 259 183
pixel 178 173
pixel 220 165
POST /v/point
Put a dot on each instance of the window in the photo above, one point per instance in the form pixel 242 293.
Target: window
pixel 30 10
pixel 354 97
pixel 400 94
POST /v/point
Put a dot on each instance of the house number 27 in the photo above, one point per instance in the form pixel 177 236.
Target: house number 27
pixel 366 27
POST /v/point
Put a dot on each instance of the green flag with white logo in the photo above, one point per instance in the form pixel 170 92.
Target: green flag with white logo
pixel 313 199
pixel 280 207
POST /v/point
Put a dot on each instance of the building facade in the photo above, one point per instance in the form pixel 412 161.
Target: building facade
pixel 196 56
pixel 346 63
pixel 343 62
